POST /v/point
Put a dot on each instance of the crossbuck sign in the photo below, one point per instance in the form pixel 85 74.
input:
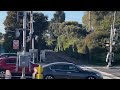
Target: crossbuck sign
pixel 15 44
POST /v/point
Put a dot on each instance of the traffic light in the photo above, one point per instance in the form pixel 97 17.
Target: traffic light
pixel 36 38
pixel 28 39
pixel 17 33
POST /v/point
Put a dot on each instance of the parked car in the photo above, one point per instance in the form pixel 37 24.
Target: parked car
pixel 9 63
pixel 5 55
pixel 64 70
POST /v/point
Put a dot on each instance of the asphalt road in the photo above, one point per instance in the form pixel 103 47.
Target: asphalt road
pixel 108 73
pixel 113 71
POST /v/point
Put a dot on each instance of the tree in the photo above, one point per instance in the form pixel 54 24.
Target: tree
pixel 101 21
pixel 40 26
pixel 51 35
pixel 1 35
pixel 59 17
pixel 69 34
pixel 11 25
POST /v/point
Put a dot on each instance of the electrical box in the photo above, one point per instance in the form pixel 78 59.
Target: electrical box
pixel 24 60
pixel 34 53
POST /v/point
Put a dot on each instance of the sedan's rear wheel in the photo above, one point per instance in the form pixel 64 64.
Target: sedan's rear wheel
pixel 49 77
pixel 91 77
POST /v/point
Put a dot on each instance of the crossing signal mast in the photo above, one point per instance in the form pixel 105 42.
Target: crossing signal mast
pixel 113 38
pixel 24 58
pixel 33 37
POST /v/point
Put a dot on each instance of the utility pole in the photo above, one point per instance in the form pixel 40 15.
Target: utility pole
pixel 23 57
pixel 110 51
pixel 89 20
pixel 24 30
pixel 24 40
pixel 110 54
pixel 31 34
pixel 89 23
pixel 32 29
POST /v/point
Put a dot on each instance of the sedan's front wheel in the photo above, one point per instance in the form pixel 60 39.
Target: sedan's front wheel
pixel 49 77
pixel 91 77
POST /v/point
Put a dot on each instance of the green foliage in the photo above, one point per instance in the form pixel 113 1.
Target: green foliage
pixel 99 59
pixel 66 37
pixel 70 36
pixel 11 24
pixel 59 17
pixel 101 22
pixel 1 35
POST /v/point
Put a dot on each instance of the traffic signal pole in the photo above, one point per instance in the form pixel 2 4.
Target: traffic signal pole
pixel 31 32
pixel 24 56
pixel 31 28
pixel 24 40
pixel 24 30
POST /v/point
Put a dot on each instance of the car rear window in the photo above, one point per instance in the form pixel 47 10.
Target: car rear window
pixel 11 61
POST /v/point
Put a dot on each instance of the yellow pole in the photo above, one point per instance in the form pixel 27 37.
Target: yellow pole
pixel 39 75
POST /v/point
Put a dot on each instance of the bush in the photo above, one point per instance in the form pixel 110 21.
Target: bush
pixel 99 59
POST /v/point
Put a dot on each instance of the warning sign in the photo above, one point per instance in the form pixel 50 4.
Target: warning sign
pixel 15 44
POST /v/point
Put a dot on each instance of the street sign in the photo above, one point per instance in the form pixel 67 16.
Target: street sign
pixel 15 44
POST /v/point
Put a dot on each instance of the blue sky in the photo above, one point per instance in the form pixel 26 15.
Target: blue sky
pixel 70 16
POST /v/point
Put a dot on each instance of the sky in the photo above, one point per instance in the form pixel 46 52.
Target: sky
pixel 70 16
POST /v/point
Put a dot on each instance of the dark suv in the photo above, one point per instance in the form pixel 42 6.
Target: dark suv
pixel 64 70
